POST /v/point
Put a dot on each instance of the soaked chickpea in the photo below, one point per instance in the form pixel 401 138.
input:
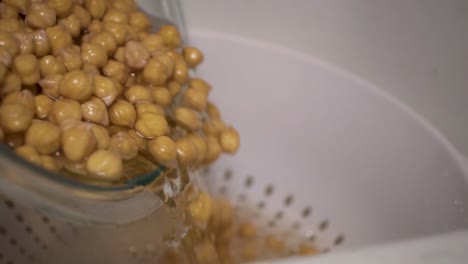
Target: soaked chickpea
pixel 105 165
pixel 5 57
pixel 273 243
pixel 118 30
pixel 174 88
pixel 11 25
pixel 116 15
pixel 71 58
pixel 24 97
pixel 62 7
pixel 119 55
pixel 213 111
pixel 9 41
pixel 122 113
pixel 229 140
pixel 187 118
pixel 95 110
pixel 200 209
pixel 138 93
pixel 95 26
pixel 94 54
pixel 205 253
pixel 27 68
pixel 72 24
pixel 141 142
pixel 161 96
pixel 117 71
pixel 139 21
pixel 249 251
pixel 41 43
pixel 195 99
pixel 125 5
pixel 8 11
pixel 83 16
pixel 79 168
pixel 106 40
pixel 186 152
pixel 170 36
pixel 213 127
pixel 76 85
pixel 192 56
pixel 155 72
pixel 44 136
pixel 78 142
pixel 14 140
pixel 180 71
pixel 2 135
pixel 50 163
pixel 15 117
pixel 200 85
pixel 20 5
pixel 102 136
pixel 51 65
pixel 59 38
pixel 151 125
pixel 43 106
pixel 40 15
pixel 144 106
pixel 25 40
pixel 3 72
pixel 247 230
pixel 96 8
pixel 306 250
pixel 63 109
pixel 50 84
pixel 153 42
pixel 164 151
pixel 124 145
pixel 30 154
pixel 136 55
pixel 200 146
pixel 168 58
pixel 106 88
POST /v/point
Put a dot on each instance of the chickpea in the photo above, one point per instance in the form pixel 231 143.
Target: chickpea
pixel 200 85
pixel 24 97
pixel 70 58
pixel 249 251
pixel 94 110
pixel 124 145
pixel 153 42
pixel 306 250
pixel 136 93
pixel 43 106
pixel 83 16
pixel 186 152
pixel 2 135
pixel 164 151
pixel 40 15
pixel 229 140
pixel 119 54
pixel 11 25
pixel 105 165
pixel 200 146
pixel 144 106
pixel 63 109
pixel 225 213
pixel 5 57
pixel 155 72
pixel 125 5
pixel 41 43
pixel 78 168
pixel 44 136
pixel 30 154
pixel 25 40
pixel 117 71
pixel 247 230
pixel 72 24
pixel 8 11
pixel 200 210
pixel 97 8
pixel 14 140
pixel 139 21
pixel 213 111
pixel 273 243
pixel 106 88
pixel 76 85
pixel 20 5
pixel 161 96
pixel 205 253
pixel 106 40
pixel 168 58
pixel 180 71
pixel 195 99
pixel 122 113
pixel 116 15
pixel 141 142
pixel 27 68
pixel 11 83
pixel 9 41
pixel 174 88
pixel 213 127
pixel 118 30
pixel 15 117
pixel 3 71
pixel 50 65
pixel 78 142
pixel 95 26
pixel 170 36
pixel 136 55
pixel 187 118
pixel 62 7
pixel 192 56
pixel 59 38
pixel 50 84
pixel 151 125
pixel 50 163
pixel 94 54
pixel 102 136
pixel 141 35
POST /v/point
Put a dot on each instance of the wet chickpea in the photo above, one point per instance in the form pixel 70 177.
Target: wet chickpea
pixel 11 83
pixel 249 251
pixel 119 54
pixel 24 97
pixel 71 59
pixel 51 65
pixel 170 36
pixel 200 145
pixel 229 140
pixel 174 88
pixel 167 58
pixel 41 43
pixel 2 135
pixel 106 88
pixel 83 16
pixel 144 106
pixel 118 30
pixel 117 71
pixel 8 11
pixel 63 109
pixel 213 111
pixel 273 243
pixel 122 113
pixel 141 35
pixel 205 253
pixel 76 85
pixel 116 15
pixel 95 26
pixel 96 8
pixel 151 125
pixel 247 230
pixel 125 5
pixel 195 99
pixel 40 15
pixel 25 40
pixel 5 57
pixel 136 93
pixel 27 68
pixel 136 55
pixel 186 152
pixel 15 117
pixel 59 38
pixel 90 69
pixel 139 21
pixel 20 5
pixel 14 140
pixel 192 56
pixel 50 84
pixel 78 168
pixel 44 136
pixel 94 54
pixel 106 40
pixel 72 24
pixel 200 85
pixel 161 96
pixel 213 127
pixel 78 142
pixel 153 42
pixel 180 71
pixel 306 250
pixel 155 72
pixel 94 110
pixel 164 151
pixel 9 41
pixel 187 118
pixel 62 7
pixel 102 136
pixel 29 153
pixel 43 106
pixel 200 210
pixel 141 142
pixel 124 145
pixel 11 25
pixel 50 163
pixel 3 71
pixel 105 165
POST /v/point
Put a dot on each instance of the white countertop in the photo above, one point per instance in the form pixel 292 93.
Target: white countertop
pixel 416 50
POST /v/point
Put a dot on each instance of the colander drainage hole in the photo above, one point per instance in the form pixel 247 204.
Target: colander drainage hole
pixel 306 212
pixel 3 231
pixel 261 205
pixel 13 242
pixel 222 190
pixel 339 240
pixel 19 218
pixel 288 200
pixel 9 204
pixel 324 225
pixel 227 174
pixel 312 238
pixel 269 190
pixel 45 219
pixel 1 256
pixel 279 215
pixel 249 182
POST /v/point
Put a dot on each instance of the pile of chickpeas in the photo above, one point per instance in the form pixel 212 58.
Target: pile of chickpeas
pixel 86 86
